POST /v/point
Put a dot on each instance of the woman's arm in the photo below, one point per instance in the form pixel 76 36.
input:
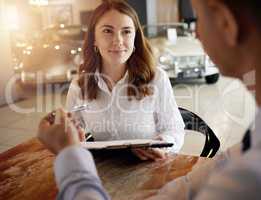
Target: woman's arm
pixel 169 123
pixel 168 120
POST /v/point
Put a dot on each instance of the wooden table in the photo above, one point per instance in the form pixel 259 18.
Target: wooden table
pixel 26 172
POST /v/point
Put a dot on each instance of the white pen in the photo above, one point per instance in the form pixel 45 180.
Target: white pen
pixel 79 108
pixel 74 109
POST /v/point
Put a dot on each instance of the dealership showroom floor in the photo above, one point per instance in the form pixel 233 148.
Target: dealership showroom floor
pixel 226 107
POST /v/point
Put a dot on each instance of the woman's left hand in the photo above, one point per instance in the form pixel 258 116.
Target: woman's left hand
pixel 150 153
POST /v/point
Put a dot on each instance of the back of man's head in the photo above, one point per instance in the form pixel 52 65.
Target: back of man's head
pixel 246 9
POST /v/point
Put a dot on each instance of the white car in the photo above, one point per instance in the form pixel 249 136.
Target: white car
pixel 180 53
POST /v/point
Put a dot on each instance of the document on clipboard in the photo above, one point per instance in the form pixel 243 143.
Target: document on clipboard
pixel 124 144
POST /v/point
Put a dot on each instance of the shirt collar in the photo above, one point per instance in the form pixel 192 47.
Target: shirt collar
pixel 101 83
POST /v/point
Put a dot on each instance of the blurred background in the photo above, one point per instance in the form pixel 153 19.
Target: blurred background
pixel 41 50
pixel 47 35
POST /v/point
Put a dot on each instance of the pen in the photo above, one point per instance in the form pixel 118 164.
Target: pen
pixel 74 109
pixel 79 108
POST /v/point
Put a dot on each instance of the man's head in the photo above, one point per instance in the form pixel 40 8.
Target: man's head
pixel 229 31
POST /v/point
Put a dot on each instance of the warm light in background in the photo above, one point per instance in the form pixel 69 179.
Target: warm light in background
pixel 38 2
pixel 45 46
pixel 11 18
pixel 73 51
pixel 57 47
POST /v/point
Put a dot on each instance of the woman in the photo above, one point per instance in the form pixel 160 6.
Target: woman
pixel 127 97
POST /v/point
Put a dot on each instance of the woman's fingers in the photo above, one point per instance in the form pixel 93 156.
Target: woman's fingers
pixel 150 153
pixel 139 154
pixel 158 153
pixel 144 154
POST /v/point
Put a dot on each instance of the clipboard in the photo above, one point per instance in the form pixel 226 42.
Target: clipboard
pixel 125 144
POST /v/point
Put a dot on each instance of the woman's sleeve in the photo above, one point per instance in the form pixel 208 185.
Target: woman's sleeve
pixel 169 123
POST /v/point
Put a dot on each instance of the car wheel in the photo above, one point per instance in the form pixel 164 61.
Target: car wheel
pixel 211 79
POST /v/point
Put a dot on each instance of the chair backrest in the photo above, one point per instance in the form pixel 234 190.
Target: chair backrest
pixel 195 123
pixel 246 141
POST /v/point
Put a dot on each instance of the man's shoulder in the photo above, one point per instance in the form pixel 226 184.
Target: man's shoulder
pixel 239 179
pixel 251 160
pixel 249 163
pixel 244 170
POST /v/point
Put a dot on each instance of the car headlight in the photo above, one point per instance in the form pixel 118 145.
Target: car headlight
pixel 166 60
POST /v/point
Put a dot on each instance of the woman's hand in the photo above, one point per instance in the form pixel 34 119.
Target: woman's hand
pixel 58 136
pixel 150 153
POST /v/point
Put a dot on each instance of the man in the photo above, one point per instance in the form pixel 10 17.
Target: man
pixel 230 33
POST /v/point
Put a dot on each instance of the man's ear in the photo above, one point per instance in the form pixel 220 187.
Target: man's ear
pixel 226 22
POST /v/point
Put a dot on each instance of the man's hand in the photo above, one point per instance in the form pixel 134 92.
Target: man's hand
pixel 58 136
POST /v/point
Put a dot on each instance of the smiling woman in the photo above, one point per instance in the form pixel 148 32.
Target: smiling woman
pixel 108 24
pixel 114 40
pixel 127 96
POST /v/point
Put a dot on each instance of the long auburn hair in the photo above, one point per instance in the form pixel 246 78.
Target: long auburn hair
pixel 140 65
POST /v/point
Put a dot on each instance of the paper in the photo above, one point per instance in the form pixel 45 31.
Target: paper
pixel 119 144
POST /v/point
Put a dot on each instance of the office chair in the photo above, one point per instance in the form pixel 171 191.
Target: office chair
pixel 195 123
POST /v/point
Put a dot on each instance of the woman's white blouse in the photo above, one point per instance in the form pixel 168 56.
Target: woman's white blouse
pixel 113 117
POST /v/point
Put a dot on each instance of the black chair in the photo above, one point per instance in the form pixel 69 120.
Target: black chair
pixel 195 123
